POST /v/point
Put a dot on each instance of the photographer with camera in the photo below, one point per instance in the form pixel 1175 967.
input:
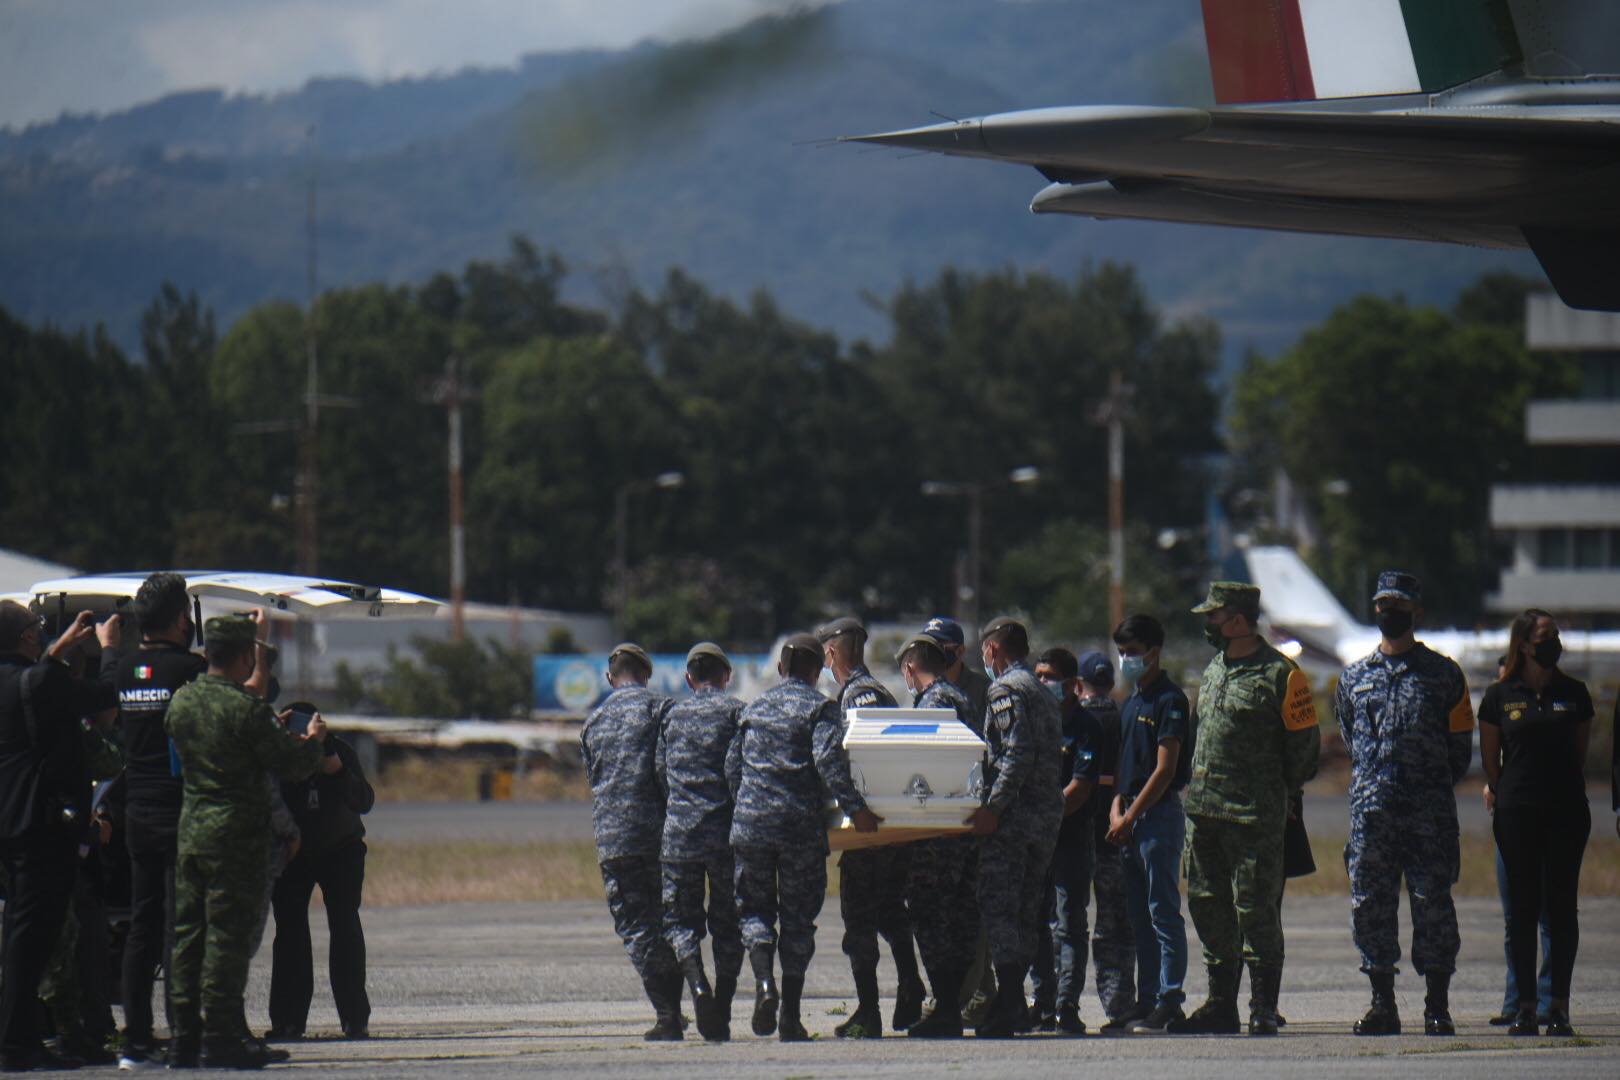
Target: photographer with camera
pixel 44 808
pixel 332 854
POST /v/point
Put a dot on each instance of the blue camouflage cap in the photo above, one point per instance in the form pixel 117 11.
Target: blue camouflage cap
pixel 1399 585
pixel 945 630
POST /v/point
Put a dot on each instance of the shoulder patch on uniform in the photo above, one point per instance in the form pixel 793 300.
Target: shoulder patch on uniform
pixel 1002 703
pixel 1363 688
pixel 1299 710
pixel 863 699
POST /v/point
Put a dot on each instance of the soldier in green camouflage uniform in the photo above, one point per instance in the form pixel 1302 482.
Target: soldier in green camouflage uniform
pixel 1256 742
pixel 227 740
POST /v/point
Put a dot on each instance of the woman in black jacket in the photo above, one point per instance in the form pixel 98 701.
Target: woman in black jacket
pixel 1534 726
pixel 331 854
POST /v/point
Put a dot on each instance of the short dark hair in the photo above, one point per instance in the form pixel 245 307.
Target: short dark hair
pixel 624 663
pixel 1143 629
pixel 222 652
pixel 14 623
pixel 159 601
pixel 1013 638
pixel 1062 661
pixel 930 659
pixel 801 664
pixel 706 669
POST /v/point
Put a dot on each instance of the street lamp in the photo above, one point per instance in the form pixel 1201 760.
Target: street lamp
pixel 664 481
pixel 967 593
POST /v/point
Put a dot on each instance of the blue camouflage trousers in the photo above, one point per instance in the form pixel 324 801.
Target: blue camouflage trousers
pixel 1113 943
pixel 1012 881
pixel 634 897
pixel 786 884
pixel 1385 846
pixel 941 891
pixel 684 910
pixel 872 901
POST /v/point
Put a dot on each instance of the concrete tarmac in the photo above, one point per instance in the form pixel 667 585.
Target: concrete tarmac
pixel 515 990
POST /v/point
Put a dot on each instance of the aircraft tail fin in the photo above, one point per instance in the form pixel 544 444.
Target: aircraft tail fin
pixel 1295 600
pixel 1308 50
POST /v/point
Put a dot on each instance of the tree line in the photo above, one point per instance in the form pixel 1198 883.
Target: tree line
pixel 804 458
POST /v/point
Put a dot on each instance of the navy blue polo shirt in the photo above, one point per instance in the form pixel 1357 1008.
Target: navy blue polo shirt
pixel 1152 714
pixel 1082 760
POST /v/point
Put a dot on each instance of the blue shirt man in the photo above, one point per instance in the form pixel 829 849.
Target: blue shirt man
pixel 1147 822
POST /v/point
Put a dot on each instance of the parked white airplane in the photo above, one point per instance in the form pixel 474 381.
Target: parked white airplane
pixel 1316 630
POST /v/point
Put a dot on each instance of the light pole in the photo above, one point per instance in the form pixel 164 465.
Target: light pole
pixel 664 481
pixel 1112 412
pixel 967 593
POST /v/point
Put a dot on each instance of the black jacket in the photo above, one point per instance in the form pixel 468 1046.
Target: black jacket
pixel 328 808
pixel 43 769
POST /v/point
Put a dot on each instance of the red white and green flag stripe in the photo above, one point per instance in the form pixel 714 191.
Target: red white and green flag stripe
pixel 1300 50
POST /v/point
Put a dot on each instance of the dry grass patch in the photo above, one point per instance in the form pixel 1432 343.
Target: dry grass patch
pixel 425 778
pixel 458 872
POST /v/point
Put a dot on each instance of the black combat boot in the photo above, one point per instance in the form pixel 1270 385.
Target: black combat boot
pixel 762 958
pixel 1437 1004
pixel 1383 1018
pixel 910 992
pixel 945 1021
pixel 232 1050
pixel 665 995
pixel 184 1050
pixel 866 1022
pixel 1218 1015
pixel 725 988
pixel 1068 1020
pixel 1009 1013
pixel 790 1028
pixel 703 1002
pixel 1264 986
pixel 1524 1022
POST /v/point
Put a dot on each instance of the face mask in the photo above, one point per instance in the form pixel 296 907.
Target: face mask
pixel 1394 623
pixel 1054 688
pixel 1547 652
pixel 1132 667
pixel 1213 635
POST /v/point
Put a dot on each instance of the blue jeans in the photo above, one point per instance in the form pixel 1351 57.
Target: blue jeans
pixel 1152 863
pixel 1510 996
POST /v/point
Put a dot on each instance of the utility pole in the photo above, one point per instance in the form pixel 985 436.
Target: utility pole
pixel 969 578
pixel 1113 412
pixel 452 395
pixel 664 481
pixel 306 487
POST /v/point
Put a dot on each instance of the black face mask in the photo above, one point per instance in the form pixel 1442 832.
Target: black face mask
pixel 1394 623
pixel 1547 652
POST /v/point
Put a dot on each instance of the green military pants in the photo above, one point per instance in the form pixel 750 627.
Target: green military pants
pixel 216 913
pixel 1234 884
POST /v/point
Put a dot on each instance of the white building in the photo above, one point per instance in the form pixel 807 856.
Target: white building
pixel 1566 537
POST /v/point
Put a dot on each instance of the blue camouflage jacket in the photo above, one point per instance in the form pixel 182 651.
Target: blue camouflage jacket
pixel 698 734
pixel 620 746
pixel 1408 726
pixel 1024 730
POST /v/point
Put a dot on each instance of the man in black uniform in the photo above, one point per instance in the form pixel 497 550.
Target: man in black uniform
pixel 871 883
pixel 145 679
pixel 44 805
pixel 332 854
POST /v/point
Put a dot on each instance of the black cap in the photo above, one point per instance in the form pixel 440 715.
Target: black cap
pixel 998 624
pixel 945 630
pixel 839 627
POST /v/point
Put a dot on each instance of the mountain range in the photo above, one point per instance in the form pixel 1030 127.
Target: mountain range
pixel 712 156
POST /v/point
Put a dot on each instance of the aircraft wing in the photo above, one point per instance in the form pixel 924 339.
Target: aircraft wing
pixel 1506 176
pixel 320 598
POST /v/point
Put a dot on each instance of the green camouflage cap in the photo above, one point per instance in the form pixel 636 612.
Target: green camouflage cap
pixel 920 641
pixel 1238 595
pixel 632 649
pixel 226 629
pixel 708 648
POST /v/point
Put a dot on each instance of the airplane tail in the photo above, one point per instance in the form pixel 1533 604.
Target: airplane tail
pixel 1308 50
pixel 1295 600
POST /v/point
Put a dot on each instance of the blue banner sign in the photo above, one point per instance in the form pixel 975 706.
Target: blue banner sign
pixel 576 683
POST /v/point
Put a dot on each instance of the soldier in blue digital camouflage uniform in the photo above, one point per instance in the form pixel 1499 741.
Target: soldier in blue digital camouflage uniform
pixel 789 745
pixel 941 874
pixel 619 744
pixel 698 733
pixel 1019 819
pixel 871 883
pixel 1408 726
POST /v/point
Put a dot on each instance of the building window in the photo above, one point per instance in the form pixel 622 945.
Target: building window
pixel 1552 549
pixel 1589 545
pixel 1600 376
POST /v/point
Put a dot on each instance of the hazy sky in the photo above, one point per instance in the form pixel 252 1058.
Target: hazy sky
pixel 100 55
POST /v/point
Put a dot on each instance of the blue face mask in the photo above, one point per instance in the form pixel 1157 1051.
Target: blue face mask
pixel 1055 689
pixel 1132 667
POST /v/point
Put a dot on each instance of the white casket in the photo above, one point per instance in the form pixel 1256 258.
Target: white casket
pixel 918 769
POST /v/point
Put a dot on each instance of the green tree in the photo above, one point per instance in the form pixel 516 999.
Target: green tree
pixel 1394 421
pixel 475 678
